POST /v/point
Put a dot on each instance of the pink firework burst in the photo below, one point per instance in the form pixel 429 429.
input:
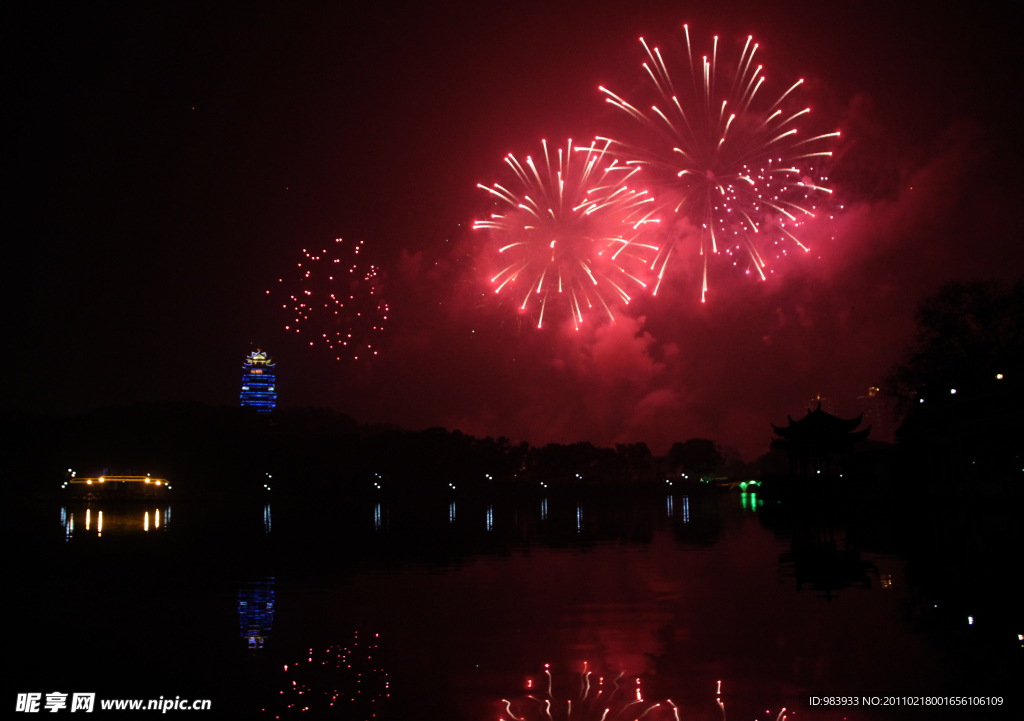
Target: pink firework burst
pixel 335 302
pixel 569 235
pixel 730 158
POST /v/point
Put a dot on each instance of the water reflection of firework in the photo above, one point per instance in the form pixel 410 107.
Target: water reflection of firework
pixel 596 698
pixel 592 698
pixel 738 169
pixel 337 301
pixel 342 681
pixel 570 232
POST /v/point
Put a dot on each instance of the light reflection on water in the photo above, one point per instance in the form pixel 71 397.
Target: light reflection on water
pixel 676 590
pixel 256 611
pixel 116 518
pixel 586 517
pixel 750 501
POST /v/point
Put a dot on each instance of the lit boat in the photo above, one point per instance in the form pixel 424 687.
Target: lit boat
pixel 118 487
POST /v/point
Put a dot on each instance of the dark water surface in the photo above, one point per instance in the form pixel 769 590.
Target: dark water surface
pixel 445 609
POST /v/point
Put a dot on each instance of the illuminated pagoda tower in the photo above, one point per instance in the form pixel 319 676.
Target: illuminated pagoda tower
pixel 258 387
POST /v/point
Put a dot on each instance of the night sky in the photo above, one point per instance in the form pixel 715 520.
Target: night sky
pixel 167 164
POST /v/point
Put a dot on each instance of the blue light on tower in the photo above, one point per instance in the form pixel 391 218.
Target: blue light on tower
pixel 258 386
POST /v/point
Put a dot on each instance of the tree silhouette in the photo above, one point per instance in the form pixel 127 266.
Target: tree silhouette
pixel 697 456
pixel 970 337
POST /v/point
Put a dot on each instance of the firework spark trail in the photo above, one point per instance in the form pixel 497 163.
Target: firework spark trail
pixel 734 166
pixel 572 231
pixel 337 303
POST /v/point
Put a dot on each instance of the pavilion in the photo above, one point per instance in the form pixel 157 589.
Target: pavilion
pixel 816 440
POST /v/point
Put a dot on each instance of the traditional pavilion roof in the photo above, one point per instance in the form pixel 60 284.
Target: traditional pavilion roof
pixel 259 358
pixel 819 433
